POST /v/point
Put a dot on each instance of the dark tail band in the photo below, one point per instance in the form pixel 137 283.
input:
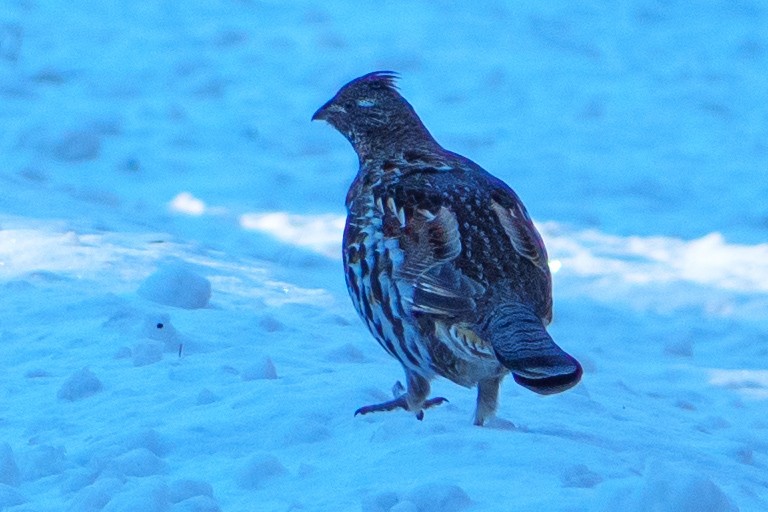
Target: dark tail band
pixel 522 344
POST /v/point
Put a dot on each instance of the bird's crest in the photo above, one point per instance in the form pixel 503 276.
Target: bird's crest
pixel 385 79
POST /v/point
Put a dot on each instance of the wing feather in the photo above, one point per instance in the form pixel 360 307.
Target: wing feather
pixel 522 234
pixel 431 241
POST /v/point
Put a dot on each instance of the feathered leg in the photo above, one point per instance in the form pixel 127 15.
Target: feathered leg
pixel 487 399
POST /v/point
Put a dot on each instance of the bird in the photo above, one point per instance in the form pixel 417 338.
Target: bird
pixel 441 259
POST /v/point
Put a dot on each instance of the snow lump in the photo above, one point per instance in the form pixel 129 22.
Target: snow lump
pixel 178 286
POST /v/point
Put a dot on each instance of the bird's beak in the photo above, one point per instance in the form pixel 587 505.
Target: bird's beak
pixel 327 110
pixel 320 114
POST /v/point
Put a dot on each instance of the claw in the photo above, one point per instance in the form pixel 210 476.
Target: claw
pixel 401 402
pixel 432 402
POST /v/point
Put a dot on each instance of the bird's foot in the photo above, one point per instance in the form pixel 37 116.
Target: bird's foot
pixel 401 402
pixel 431 402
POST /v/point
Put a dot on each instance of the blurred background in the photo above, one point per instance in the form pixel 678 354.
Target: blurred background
pixel 642 117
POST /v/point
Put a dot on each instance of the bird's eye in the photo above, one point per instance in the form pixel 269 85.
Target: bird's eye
pixel 365 103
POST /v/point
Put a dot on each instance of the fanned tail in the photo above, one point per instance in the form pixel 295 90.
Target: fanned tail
pixel 523 345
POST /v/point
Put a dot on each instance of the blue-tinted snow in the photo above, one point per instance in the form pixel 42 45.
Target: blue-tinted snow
pixel 144 143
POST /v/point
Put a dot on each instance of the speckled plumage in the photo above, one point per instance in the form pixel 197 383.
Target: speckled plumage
pixel 441 259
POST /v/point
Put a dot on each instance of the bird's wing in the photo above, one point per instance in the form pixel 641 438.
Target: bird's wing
pixel 425 242
pixel 522 234
pixel 519 227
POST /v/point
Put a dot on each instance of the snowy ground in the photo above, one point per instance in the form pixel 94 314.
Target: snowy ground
pixel 149 149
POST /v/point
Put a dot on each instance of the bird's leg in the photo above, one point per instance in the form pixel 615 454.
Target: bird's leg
pixel 414 399
pixel 487 398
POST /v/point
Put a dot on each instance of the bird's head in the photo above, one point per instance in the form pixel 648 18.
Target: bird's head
pixel 371 113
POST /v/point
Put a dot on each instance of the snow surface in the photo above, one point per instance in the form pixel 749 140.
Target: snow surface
pixel 148 147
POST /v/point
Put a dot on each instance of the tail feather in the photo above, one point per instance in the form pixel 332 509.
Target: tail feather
pixel 523 345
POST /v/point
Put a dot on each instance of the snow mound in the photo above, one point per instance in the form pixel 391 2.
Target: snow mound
pixel 146 352
pixel 197 504
pixel 9 471
pixel 152 441
pixel 404 506
pixel 262 369
pixel 347 353
pixel 139 462
pixel 381 502
pixel 206 396
pixel 306 431
pixel 147 495
pixel 439 497
pixel 259 469
pixel 178 286
pixel 79 385
pixel 10 497
pixel 42 461
pixel 580 476
pixel 76 146
pixel 666 490
pixel 182 490
pixel 95 496
pixel 432 497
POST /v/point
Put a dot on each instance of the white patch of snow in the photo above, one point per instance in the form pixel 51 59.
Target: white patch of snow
pixel 320 233
pixel 708 261
pixel 186 203
pixel 750 383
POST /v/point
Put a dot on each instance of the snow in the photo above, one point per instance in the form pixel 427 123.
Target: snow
pixel 175 285
pixel 81 384
pixel 174 326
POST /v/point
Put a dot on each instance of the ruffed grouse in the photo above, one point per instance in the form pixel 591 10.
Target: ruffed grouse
pixel 441 259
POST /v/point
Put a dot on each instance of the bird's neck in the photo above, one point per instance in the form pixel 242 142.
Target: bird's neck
pixel 388 142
